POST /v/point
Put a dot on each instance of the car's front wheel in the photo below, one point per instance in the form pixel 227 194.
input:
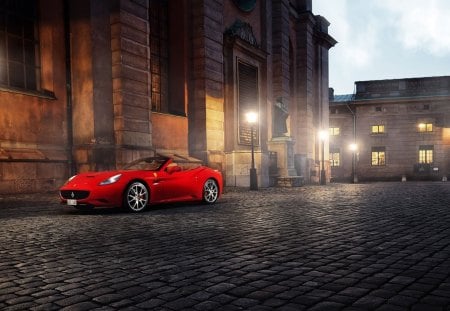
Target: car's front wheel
pixel 210 191
pixel 136 197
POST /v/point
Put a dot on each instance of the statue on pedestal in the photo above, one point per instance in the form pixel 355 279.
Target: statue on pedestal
pixel 280 115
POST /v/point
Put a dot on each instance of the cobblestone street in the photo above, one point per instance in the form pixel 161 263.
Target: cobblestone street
pixel 380 246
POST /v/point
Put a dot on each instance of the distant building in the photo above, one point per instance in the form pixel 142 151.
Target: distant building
pixel 93 84
pixel 401 128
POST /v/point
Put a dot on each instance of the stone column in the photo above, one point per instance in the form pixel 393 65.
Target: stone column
pixel 93 125
pixel 206 113
pixel 131 79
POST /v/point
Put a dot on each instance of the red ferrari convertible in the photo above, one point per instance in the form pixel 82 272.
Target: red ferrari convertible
pixel 145 181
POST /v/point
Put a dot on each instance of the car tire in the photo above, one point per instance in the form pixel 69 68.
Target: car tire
pixel 210 191
pixel 136 197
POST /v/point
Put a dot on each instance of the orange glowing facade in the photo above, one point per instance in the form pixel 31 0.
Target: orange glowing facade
pixel 93 84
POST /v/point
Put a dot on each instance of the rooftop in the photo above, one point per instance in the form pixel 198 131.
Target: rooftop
pixel 396 88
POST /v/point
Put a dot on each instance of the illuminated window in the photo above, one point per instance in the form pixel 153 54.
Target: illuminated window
pixel 334 131
pixel 378 156
pixel 426 127
pixel 377 129
pixel 426 154
pixel 335 158
pixel 19 52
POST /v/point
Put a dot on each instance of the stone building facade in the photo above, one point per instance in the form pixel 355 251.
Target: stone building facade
pixel 401 128
pixel 93 84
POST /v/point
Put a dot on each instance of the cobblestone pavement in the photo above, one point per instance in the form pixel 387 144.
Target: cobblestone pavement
pixel 380 246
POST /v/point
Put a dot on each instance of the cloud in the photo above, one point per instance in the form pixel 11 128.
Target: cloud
pixel 420 25
pixel 354 48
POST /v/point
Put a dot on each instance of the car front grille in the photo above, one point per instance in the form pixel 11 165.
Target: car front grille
pixel 74 194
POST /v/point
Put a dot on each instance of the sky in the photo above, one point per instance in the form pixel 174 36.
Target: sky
pixel 386 39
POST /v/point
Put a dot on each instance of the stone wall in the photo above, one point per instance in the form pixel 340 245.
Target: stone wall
pixel 33 128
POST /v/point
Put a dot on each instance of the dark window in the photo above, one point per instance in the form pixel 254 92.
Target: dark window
pixel 159 59
pixel 378 108
pixel 168 56
pixel 19 45
pixel 248 100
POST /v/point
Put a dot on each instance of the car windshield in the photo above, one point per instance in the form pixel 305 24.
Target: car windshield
pixel 148 164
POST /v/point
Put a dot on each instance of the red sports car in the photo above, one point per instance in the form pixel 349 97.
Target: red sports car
pixel 145 181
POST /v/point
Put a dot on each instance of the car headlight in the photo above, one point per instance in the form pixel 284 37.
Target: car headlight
pixel 68 180
pixel 110 180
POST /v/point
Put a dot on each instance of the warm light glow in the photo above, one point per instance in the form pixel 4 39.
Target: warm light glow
pixel 252 117
pixel 425 127
pixel 353 147
pixel 323 135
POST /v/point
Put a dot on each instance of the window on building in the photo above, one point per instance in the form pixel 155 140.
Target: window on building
pixel 159 58
pixel 378 108
pixel 425 127
pixel 426 154
pixel 378 156
pixel 167 34
pixel 377 129
pixel 19 45
pixel 335 157
pixel 248 99
pixel 334 131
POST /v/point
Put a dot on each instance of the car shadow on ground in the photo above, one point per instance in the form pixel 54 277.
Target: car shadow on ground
pixel 181 206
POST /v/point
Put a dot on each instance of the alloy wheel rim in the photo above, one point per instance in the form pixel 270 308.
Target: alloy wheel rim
pixel 211 191
pixel 137 197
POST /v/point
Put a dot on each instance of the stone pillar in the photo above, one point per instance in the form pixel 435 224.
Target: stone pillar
pixel 306 109
pixel 280 142
pixel 313 43
pixel 206 113
pixel 284 146
pixel 93 115
pixel 131 79
pixel 280 59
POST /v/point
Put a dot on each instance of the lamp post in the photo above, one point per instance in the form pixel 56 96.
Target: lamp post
pixel 323 136
pixel 354 148
pixel 252 118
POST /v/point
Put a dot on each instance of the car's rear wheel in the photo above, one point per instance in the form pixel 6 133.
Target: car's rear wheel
pixel 136 197
pixel 210 191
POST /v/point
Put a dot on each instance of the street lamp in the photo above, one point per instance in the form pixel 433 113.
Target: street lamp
pixel 252 118
pixel 323 136
pixel 354 148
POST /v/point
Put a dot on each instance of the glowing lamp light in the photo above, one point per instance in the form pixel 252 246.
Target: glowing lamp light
pixel 353 147
pixel 251 117
pixel 323 135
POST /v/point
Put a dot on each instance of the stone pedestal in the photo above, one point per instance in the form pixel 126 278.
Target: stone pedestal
pixel 284 147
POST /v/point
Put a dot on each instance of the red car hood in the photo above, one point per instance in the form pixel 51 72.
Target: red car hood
pixel 92 178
